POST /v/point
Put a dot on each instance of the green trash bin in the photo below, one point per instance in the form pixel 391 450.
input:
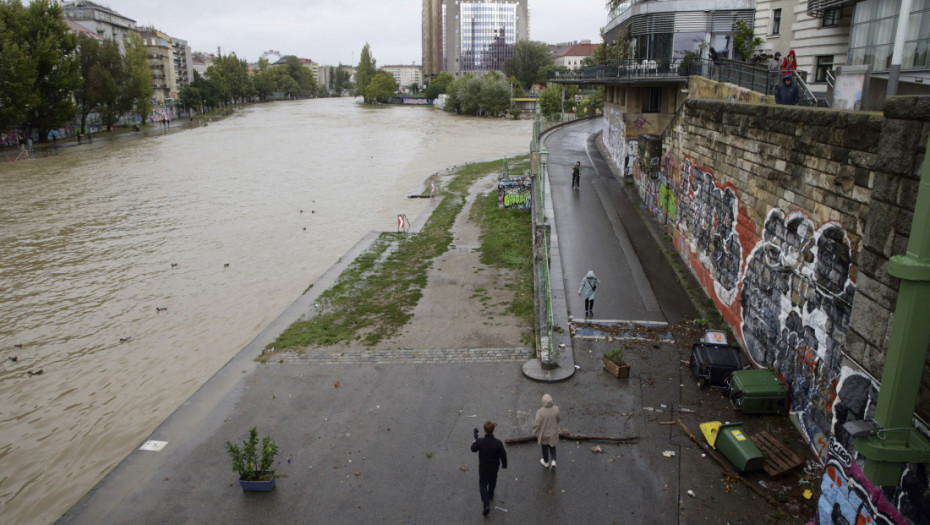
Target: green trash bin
pixel 733 443
pixel 759 392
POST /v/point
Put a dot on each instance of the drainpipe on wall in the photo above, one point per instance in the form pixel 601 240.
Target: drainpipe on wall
pixel 904 15
pixel 896 442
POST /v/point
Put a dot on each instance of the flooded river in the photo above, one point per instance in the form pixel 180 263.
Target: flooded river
pixel 131 270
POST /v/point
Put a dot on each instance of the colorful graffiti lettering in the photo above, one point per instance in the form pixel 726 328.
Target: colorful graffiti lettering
pixel 708 219
pixel 640 122
pixel 796 303
pixel 848 497
pixel 516 194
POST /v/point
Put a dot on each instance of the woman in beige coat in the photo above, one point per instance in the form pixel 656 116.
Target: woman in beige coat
pixel 546 430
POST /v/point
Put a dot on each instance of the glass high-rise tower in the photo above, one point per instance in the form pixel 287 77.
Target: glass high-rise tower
pixel 471 36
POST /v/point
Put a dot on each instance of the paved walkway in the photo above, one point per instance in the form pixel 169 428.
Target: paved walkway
pixel 382 439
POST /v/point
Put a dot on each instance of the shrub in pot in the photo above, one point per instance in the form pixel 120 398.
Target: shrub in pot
pixel 614 363
pixel 254 464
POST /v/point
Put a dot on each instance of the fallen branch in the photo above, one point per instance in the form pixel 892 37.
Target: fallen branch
pixel 570 437
pixel 726 467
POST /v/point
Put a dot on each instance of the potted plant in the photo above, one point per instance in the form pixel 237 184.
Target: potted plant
pixel 255 474
pixel 614 363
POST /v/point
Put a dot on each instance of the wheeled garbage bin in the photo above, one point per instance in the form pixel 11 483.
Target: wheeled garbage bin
pixel 733 443
pixel 759 392
pixel 713 363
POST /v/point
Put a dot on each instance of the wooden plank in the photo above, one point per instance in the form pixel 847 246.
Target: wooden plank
pixel 778 458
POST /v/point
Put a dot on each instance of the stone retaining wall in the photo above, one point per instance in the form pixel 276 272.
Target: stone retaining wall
pixel 788 217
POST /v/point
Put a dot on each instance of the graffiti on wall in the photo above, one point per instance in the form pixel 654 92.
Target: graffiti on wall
pixel 708 219
pixel 614 135
pixel 515 193
pixel 848 497
pixel 856 399
pixel 796 302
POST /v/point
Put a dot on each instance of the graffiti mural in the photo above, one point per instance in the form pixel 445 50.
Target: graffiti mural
pixel 796 303
pixel 614 135
pixel 856 398
pixel 707 219
pixel 515 193
pixel 848 497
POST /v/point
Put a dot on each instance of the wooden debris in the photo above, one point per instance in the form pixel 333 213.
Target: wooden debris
pixel 778 459
pixel 571 437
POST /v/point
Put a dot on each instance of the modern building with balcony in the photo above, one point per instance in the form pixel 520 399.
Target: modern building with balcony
pixel 659 36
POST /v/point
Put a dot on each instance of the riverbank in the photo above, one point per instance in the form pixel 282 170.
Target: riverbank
pixel 130 239
pixel 66 145
pixel 449 284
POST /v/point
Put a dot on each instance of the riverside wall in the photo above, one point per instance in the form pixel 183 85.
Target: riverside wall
pixel 788 217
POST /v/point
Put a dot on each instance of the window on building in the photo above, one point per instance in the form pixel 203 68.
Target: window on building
pixel 652 99
pixel 831 18
pixel 776 21
pixel 871 36
pixel 824 64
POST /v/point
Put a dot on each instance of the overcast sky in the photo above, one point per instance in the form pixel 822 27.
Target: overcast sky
pixel 334 31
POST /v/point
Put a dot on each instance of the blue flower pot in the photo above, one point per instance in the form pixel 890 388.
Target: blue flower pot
pixel 257 486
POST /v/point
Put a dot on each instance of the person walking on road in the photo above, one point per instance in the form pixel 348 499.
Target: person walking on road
pixel 491 456
pixel 546 430
pixel 576 175
pixel 586 290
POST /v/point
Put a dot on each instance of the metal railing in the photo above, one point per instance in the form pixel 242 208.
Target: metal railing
pixel 541 233
pixel 742 74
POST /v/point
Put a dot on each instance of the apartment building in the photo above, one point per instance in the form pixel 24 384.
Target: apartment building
pixel 405 76
pixel 159 53
pixel 101 20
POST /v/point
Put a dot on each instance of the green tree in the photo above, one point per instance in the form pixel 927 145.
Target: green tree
pixel 365 72
pixel 495 94
pixel 262 80
pixel 87 92
pixel 340 79
pixel 39 54
pixel 190 98
pixel 17 71
pixel 138 91
pixel 439 85
pixel 109 78
pixel 528 63
pixel 301 75
pixel 744 40
pixel 550 100
pixel 381 88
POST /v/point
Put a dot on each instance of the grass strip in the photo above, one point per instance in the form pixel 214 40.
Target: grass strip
pixel 376 295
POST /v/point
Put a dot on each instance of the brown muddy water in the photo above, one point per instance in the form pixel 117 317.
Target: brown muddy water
pixel 131 270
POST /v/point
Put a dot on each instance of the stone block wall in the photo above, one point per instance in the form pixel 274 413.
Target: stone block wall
pixel 788 217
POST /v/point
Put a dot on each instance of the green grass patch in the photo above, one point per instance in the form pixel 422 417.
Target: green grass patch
pixel 376 295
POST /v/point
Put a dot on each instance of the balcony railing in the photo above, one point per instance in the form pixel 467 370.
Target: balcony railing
pixel 742 74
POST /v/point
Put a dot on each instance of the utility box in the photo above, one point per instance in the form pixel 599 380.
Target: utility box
pixel 713 363
pixel 759 392
pixel 733 443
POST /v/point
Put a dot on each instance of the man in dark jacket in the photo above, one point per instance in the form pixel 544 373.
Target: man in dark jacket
pixel 787 93
pixel 491 456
